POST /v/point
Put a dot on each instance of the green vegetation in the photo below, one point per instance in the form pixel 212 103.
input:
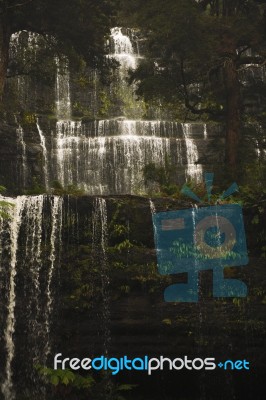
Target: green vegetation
pixel 5 206
pixel 198 53
pixel 75 386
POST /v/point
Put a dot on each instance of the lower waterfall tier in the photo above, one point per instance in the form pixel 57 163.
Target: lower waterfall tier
pixel 79 276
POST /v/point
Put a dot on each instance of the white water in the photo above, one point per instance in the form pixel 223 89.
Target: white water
pixel 194 170
pixel 123 50
pixel 63 101
pixel 205 131
pixel 31 269
pixel 152 206
pixel 22 148
pixel 108 156
pixel 100 235
pixel 28 253
pixel 56 221
pixel 109 164
pixel 14 227
pixel 45 155
pixel 68 145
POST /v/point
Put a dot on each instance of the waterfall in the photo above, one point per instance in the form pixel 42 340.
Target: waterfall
pixel 108 164
pixel 56 221
pixel 22 150
pixel 194 170
pixel 23 53
pixel 68 162
pixel 122 50
pixel 29 249
pixel 260 143
pixel 108 156
pixel 100 235
pixel 45 156
pixel 205 134
pixel 14 228
pixel 99 251
pixel 125 50
pixel 63 102
pixel 30 272
pixel 152 206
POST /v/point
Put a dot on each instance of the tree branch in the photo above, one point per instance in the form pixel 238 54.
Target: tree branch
pixel 189 106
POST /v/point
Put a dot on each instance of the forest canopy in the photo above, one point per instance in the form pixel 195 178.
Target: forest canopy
pixel 197 53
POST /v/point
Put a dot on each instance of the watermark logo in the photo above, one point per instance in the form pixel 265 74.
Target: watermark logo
pixel 201 238
pixel 146 363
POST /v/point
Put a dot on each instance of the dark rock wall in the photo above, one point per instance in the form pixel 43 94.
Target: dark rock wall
pixel 140 322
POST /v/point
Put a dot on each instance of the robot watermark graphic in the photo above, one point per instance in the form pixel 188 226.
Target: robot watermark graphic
pixel 198 239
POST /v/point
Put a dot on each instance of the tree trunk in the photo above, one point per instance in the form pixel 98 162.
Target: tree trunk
pixel 232 88
pixel 4 51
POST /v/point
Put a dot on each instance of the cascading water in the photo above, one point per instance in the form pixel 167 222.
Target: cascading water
pixel 56 221
pixel 68 143
pixel 25 51
pixel 260 143
pixel 194 170
pixel 30 246
pixel 99 246
pixel 122 50
pixel 14 228
pixel 22 150
pixel 108 156
pixel 45 155
pixel 205 132
pixel 63 102
pixel 152 207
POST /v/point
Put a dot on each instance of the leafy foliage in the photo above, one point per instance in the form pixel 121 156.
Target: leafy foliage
pixel 162 176
pixel 65 377
pixel 199 55
pixel 189 43
pixel 5 206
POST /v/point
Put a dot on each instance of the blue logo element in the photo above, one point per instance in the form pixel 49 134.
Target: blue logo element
pixel 234 365
pixel 197 239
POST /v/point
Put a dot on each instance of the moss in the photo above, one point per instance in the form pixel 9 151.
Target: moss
pixel 105 104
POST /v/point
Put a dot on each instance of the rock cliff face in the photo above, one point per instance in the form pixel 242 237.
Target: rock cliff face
pixel 103 156
pixel 70 127
pixel 136 321
pixel 83 269
pixel 107 298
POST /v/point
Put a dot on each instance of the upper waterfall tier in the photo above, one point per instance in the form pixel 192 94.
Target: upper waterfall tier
pixel 122 49
pixel 109 156
pixel 108 153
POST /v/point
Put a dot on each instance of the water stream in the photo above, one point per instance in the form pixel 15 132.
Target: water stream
pixel 22 150
pixel 45 155
pixel 30 248
pixel 108 156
